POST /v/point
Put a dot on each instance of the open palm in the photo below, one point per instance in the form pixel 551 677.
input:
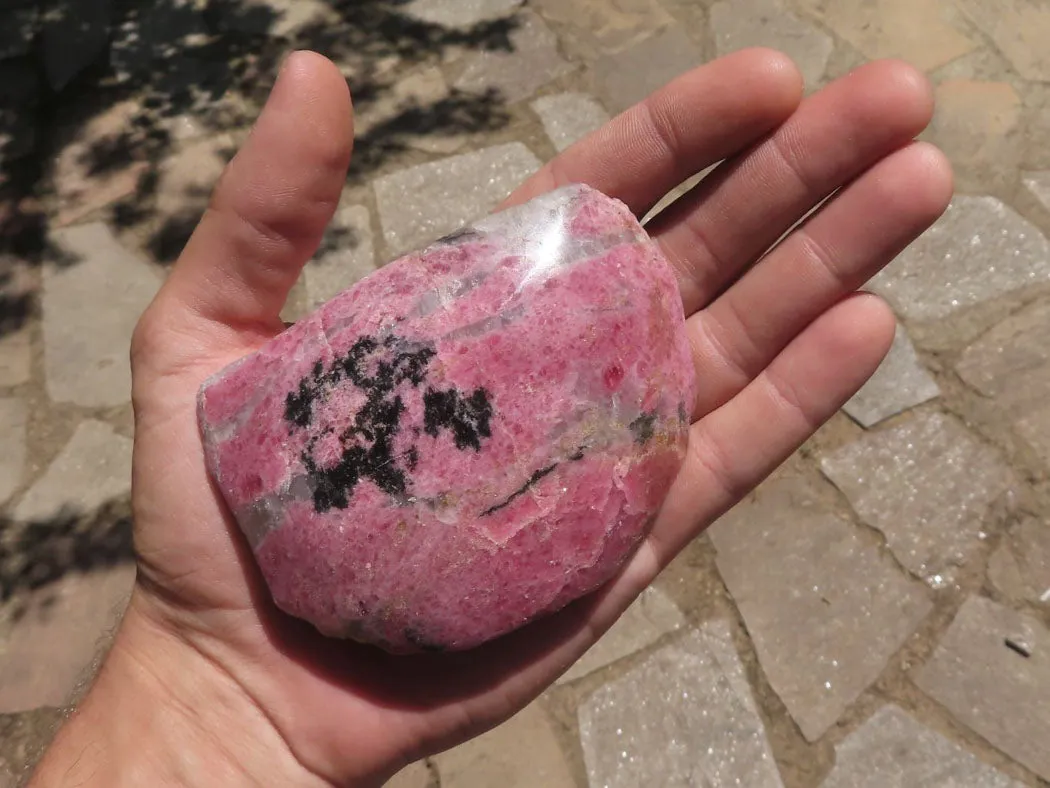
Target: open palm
pixel 779 337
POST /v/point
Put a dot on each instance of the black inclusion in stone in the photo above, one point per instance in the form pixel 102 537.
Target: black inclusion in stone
pixel 642 428
pixel 468 418
pixel 386 372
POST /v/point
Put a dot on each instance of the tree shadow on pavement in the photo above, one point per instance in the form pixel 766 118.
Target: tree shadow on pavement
pixel 205 64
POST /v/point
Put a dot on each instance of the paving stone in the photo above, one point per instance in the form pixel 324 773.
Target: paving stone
pixel 628 77
pixel 649 618
pixel 999 693
pixel 1020 28
pixel 892 748
pixel 533 61
pixel 979 250
pixel 974 120
pixel 144 39
pixel 20 26
pixel 1020 566
pixel 921 33
pixel 277 17
pixel 415 775
pixel 591 28
pixel 422 203
pixel 98 166
pixel 403 114
pixel 683 717
pixel 71 41
pixel 54 639
pixel 569 117
pixel 14 357
pixel 522 752
pixel 823 608
pixel 23 739
pixel 94 291
pixel 13 416
pixel 347 255
pixel 459 13
pixel 739 24
pixel 187 177
pixel 1038 183
pixel 901 382
pixel 927 485
pixel 93 468
pixel 1011 365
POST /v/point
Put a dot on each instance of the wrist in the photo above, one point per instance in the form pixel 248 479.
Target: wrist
pixel 161 713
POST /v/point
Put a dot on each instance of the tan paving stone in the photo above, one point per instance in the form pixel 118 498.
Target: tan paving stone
pixel 13 417
pixel 23 739
pixel 422 203
pixel 823 608
pixel 988 686
pixel 627 77
pixel 415 775
pixel 1020 28
pixel 591 28
pixel 974 121
pixel 1020 566
pixel 1038 183
pixel 923 33
pixel 347 255
pixel 649 618
pixel 893 748
pixel 569 117
pixel 498 758
pixel 94 291
pixel 738 24
pixel 15 357
pixel 187 177
pixel 533 61
pixel 53 640
pixel 459 13
pixel 93 468
pixel 927 484
pixel 684 717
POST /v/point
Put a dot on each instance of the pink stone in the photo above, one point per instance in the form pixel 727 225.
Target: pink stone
pixel 468 439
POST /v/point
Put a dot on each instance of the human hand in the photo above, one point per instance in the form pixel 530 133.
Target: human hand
pixel 207 674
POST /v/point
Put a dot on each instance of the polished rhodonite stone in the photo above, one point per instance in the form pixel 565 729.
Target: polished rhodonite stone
pixel 472 437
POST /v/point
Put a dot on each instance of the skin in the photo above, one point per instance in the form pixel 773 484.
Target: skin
pixel 208 684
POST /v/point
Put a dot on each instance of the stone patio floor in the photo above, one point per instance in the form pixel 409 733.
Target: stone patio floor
pixel 877 614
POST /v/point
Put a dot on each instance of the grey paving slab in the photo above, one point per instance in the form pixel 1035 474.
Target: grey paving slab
pixel 523 751
pixel 13 417
pixel 684 717
pixel 625 78
pixel 415 775
pixel 980 249
pixel 927 484
pixel 420 204
pixel 1020 567
pixel 532 61
pixel 93 468
pixel 900 383
pixel 823 608
pixel 17 296
pixel 1011 362
pixel 649 618
pixel 591 28
pixel 94 291
pixel 347 255
pixel 1038 183
pixel 987 685
pixel 568 117
pixel 894 749
pixel 23 739
pixel 459 13
pixel 1019 28
pixel 739 24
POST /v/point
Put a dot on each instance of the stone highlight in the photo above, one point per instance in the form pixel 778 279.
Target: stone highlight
pixel 468 439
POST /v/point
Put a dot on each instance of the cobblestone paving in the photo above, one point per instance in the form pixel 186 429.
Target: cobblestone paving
pixel 876 614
